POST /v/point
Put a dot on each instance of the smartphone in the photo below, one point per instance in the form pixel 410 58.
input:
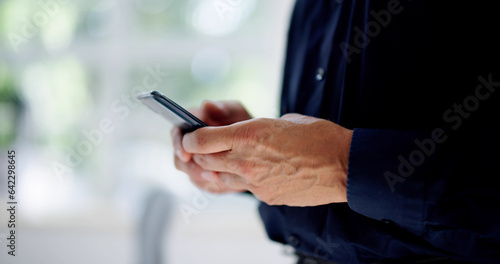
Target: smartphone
pixel 171 111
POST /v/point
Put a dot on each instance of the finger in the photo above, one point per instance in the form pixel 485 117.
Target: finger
pixel 222 113
pixel 233 181
pixel 221 162
pixel 190 168
pixel 203 179
pixel 212 113
pixel 215 113
pixel 199 177
pixel 209 139
pixel 177 142
pixel 212 183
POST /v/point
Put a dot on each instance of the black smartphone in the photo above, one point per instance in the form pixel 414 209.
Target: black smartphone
pixel 171 111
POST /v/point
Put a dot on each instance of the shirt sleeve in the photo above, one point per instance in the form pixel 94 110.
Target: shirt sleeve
pixel 439 184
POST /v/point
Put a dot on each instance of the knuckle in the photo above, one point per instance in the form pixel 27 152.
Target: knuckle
pixel 244 135
pixel 239 166
pixel 264 129
pixel 267 197
pixel 289 115
pixel 255 131
pixel 247 168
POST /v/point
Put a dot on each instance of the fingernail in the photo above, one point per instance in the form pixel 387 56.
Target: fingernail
pixel 207 176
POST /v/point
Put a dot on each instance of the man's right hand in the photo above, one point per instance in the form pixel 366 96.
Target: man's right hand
pixel 213 114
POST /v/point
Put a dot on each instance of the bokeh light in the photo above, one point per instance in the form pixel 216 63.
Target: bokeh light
pixel 210 64
pixel 217 17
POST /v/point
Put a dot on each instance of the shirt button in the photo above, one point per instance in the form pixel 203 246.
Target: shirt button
pixel 294 241
pixel 387 221
pixel 320 74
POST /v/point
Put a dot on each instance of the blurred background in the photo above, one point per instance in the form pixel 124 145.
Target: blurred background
pixel 95 180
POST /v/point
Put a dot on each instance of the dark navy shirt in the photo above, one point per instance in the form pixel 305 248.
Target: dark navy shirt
pixel 417 82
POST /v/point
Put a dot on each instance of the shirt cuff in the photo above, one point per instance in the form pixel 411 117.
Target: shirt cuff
pixel 381 183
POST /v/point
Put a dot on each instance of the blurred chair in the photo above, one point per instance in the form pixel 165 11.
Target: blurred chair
pixel 152 226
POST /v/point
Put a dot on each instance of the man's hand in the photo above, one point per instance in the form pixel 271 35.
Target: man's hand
pixel 295 160
pixel 213 114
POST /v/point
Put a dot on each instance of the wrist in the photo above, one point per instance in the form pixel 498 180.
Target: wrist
pixel 345 161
